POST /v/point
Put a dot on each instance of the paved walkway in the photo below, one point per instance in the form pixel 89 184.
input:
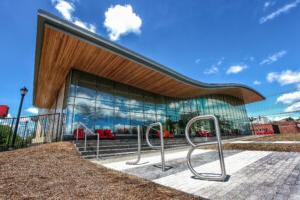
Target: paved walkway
pixel 253 174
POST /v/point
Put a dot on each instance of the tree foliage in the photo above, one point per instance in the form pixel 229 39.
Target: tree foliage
pixel 5 132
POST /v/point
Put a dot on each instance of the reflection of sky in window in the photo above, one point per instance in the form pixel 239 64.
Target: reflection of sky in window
pixel 115 109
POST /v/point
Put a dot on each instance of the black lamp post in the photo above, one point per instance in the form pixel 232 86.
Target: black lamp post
pixel 23 91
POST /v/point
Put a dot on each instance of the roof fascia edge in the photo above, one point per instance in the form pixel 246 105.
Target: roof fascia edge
pixel 96 40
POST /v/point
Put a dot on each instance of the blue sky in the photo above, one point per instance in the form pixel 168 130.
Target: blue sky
pixel 218 41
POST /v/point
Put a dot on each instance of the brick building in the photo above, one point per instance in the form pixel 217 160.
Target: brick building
pixel 283 127
pixel 288 126
pixel 265 128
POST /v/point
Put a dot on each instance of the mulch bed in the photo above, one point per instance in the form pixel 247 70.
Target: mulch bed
pixel 279 137
pixel 56 171
pixel 257 147
pixel 264 147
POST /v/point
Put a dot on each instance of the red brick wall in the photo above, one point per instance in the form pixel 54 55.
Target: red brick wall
pixel 285 127
pixel 288 127
pixel 262 127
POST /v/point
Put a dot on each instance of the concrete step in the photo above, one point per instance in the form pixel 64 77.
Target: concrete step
pixel 94 147
pixel 128 140
pixel 109 148
pixel 102 143
pixel 131 149
pixel 109 155
pixel 109 151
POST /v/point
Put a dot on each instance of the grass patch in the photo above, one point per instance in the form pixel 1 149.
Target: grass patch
pixel 56 171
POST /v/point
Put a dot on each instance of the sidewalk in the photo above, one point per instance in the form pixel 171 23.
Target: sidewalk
pixel 253 174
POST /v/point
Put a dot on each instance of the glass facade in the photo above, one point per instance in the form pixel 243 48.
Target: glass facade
pixel 104 104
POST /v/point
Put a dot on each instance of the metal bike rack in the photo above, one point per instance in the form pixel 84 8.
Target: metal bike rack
pixel 202 176
pixel 139 150
pixel 161 147
pixel 85 137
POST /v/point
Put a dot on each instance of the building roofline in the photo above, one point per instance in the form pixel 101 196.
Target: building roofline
pixel 46 18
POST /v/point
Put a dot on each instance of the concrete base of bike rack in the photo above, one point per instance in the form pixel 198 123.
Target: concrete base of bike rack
pixel 166 167
pixel 128 163
pixel 225 179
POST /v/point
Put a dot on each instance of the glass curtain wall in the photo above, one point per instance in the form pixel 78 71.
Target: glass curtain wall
pixel 104 104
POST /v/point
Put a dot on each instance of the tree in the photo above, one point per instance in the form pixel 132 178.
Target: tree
pixel 289 119
pixel 169 125
pixel 5 132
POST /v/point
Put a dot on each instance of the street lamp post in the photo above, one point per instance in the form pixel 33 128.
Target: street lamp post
pixel 23 91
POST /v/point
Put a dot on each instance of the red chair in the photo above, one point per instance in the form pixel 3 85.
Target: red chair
pixel 79 133
pixel 203 133
pixel 167 134
pixel 109 134
pixel 105 134
pixel 101 134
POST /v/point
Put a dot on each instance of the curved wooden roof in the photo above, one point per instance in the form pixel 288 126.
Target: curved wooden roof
pixel 62 46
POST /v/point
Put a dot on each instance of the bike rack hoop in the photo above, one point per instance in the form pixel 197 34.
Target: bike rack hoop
pixel 137 161
pixel 202 176
pixel 199 118
pixel 161 147
pixel 148 131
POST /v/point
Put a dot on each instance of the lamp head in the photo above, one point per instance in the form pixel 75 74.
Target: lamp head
pixel 23 91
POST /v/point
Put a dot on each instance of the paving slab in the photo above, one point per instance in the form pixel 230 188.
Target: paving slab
pixel 253 174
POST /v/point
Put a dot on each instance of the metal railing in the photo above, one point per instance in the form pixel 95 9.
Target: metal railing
pixel 31 130
pixel 85 136
pixel 202 176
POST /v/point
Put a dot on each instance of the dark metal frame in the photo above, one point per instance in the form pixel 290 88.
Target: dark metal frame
pixel 28 130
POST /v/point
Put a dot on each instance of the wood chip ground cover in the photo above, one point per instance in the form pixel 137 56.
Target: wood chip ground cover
pixel 56 171
pixel 279 137
pixel 264 147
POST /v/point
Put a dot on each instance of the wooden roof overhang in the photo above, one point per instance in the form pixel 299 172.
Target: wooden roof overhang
pixel 62 46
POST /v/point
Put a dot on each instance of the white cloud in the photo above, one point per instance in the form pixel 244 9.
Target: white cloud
pixel 32 110
pixel 251 58
pixel 294 107
pixel 268 4
pixel 90 27
pixel 288 98
pixel 284 9
pixel 214 68
pixel 256 82
pixel 284 77
pixel 197 61
pixel 274 57
pixel 121 20
pixel 220 62
pixel 279 117
pixel 66 9
pixel 235 69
